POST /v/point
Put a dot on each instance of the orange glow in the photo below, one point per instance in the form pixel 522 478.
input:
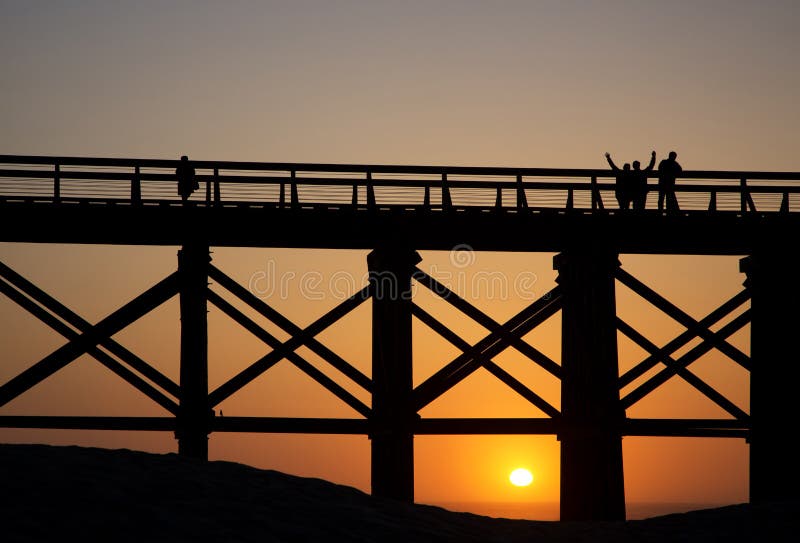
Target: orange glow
pixel 449 469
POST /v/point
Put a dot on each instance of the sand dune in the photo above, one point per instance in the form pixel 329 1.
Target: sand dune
pixel 73 493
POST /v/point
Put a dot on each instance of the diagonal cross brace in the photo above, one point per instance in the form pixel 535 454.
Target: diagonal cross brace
pixel 302 364
pixel 491 345
pixel 485 320
pixel 72 318
pixel 487 363
pixel 682 317
pixel 137 382
pixel 288 326
pixel 681 369
pixel 682 362
pixel 685 337
pixel 119 319
pixel 267 361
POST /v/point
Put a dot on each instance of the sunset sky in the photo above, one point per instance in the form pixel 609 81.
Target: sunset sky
pixel 505 83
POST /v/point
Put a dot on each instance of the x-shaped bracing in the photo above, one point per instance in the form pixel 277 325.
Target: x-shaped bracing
pixel 84 337
pixel 501 337
pixel 679 366
pixel 280 350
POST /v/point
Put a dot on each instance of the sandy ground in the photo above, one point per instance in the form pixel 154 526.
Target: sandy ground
pixel 74 493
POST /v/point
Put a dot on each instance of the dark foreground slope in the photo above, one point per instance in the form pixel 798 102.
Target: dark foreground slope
pixel 73 493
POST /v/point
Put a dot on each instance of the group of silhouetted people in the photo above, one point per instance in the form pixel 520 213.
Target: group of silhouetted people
pixel 631 187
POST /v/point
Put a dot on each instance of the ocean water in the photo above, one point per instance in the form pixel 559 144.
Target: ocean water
pixel 550 510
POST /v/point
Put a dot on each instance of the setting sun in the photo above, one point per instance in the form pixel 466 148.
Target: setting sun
pixel 521 477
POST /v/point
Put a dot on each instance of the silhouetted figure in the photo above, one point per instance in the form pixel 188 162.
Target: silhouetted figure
pixel 639 182
pixel 622 190
pixel 187 183
pixel 668 170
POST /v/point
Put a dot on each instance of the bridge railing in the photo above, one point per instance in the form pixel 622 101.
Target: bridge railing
pixel 63 180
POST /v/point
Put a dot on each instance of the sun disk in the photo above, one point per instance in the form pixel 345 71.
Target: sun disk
pixel 521 477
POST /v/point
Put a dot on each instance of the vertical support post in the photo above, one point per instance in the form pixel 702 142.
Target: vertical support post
pixel 775 373
pixel 194 417
pixel 392 432
pixel 592 483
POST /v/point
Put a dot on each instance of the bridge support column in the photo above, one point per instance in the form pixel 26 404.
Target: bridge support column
pixel 592 483
pixel 392 432
pixel 774 375
pixel 194 416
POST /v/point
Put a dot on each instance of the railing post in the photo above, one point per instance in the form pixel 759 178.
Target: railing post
pixel 597 198
pixel 208 192
pixel 522 199
pixel 498 201
pixel 57 183
pixel 295 197
pixel 785 203
pixel 354 201
pixel 447 202
pixel 775 372
pixel 393 415
pixel 570 200
pixel 592 482
pixel 746 198
pixel 217 192
pixel 712 201
pixel 426 201
pixel 370 192
pixel 136 186
pixel 194 417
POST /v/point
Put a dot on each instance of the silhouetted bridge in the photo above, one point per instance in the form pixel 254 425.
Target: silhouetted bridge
pixel 394 211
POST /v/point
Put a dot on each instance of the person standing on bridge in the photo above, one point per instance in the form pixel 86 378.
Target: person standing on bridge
pixel 639 182
pixel 623 187
pixel 187 183
pixel 668 170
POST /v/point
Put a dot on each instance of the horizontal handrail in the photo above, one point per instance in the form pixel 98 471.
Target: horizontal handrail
pixel 142 181
pixel 377 168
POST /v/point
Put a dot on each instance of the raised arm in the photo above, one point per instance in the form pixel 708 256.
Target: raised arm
pixel 652 162
pixel 611 163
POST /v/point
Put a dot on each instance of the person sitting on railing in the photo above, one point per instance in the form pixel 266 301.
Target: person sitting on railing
pixel 187 183
pixel 668 170
pixel 639 182
pixel 623 187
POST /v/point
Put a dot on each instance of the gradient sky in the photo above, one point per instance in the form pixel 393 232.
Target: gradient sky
pixel 507 83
